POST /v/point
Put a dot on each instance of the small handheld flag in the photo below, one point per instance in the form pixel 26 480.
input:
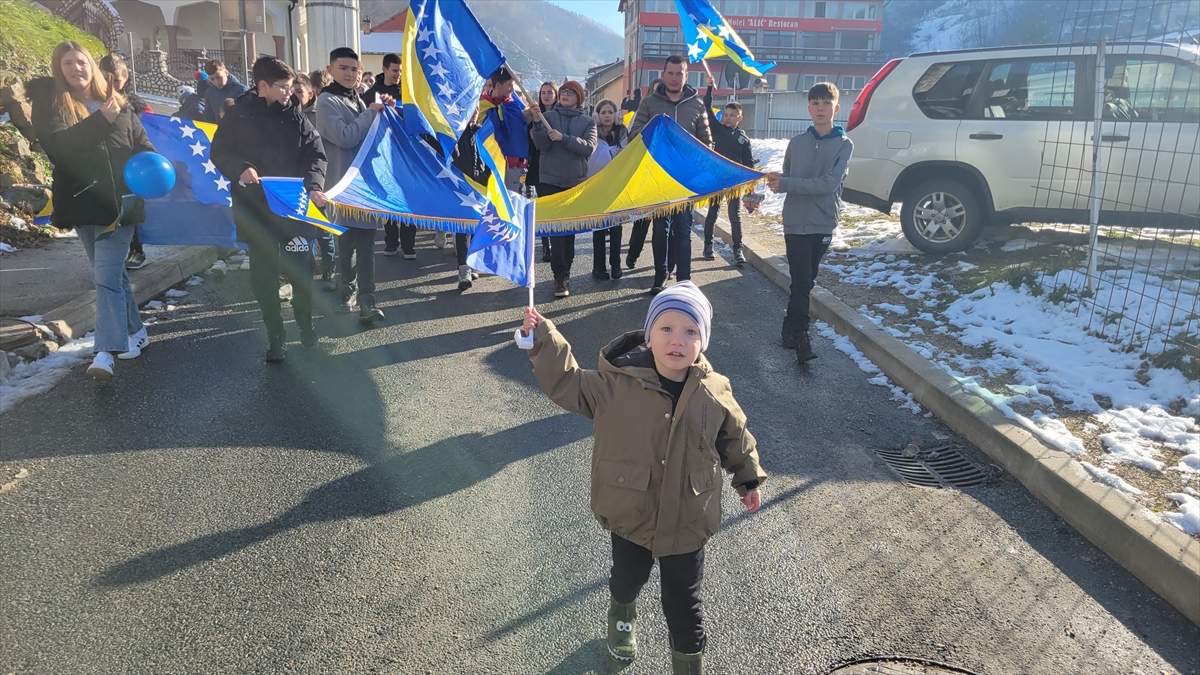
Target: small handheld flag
pixel 708 35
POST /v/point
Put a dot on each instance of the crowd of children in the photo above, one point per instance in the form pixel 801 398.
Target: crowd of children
pixel 665 422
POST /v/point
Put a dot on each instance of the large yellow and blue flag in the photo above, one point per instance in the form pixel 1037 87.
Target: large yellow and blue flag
pixel 502 241
pixel 708 35
pixel 447 57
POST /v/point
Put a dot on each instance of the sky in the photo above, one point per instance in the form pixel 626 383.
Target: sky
pixel 601 11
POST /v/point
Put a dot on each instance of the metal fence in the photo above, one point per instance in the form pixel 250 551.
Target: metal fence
pixel 1129 155
pixel 183 63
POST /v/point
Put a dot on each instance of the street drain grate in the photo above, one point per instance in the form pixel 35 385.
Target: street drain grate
pixel 941 466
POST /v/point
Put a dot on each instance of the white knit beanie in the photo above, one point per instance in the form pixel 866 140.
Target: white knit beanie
pixel 683 297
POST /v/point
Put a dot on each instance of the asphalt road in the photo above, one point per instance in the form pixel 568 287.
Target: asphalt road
pixel 408 502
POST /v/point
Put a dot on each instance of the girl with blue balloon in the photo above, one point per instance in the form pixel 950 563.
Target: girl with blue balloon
pixel 101 169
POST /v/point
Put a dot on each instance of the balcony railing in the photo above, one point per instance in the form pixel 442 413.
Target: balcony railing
pixel 784 54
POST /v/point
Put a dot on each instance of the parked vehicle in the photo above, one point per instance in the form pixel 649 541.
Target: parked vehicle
pixel 969 138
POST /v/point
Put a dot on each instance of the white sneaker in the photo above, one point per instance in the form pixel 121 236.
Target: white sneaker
pixel 102 367
pixel 137 342
pixel 449 240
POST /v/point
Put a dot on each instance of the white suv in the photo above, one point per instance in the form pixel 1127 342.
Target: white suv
pixel 967 138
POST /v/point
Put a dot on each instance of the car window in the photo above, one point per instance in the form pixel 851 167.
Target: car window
pixel 1149 89
pixel 1029 89
pixel 944 90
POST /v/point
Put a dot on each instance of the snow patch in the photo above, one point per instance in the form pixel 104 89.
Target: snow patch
pixel 30 378
pixel 1110 479
pixel 844 345
pixel 1187 518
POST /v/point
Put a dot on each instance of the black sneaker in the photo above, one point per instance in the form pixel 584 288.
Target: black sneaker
pixel 804 352
pixel 708 253
pixel 616 271
pixel 630 262
pixel 600 275
pixel 308 338
pixel 369 315
pixel 135 261
pixel 788 341
pixel 739 258
pixel 392 251
pixel 657 286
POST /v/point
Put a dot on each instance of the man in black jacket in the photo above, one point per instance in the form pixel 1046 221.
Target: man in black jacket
pixel 731 143
pixel 266 134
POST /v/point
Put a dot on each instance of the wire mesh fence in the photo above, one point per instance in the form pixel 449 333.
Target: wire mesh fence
pixel 1122 102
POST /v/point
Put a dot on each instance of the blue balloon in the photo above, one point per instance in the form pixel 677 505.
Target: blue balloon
pixel 149 175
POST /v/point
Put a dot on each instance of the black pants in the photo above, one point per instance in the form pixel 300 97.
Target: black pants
pixel 637 237
pixel 267 262
pixel 462 242
pixel 804 253
pixel 682 579
pixel 735 221
pixel 358 242
pixel 672 243
pixel 562 248
pixel 609 239
pixel 324 253
pixel 403 237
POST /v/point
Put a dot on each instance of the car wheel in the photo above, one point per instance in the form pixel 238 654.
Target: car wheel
pixel 941 216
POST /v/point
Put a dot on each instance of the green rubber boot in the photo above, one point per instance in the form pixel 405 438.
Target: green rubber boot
pixel 622 635
pixel 687 664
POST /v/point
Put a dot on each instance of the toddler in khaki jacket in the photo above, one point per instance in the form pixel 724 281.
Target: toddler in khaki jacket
pixel 665 425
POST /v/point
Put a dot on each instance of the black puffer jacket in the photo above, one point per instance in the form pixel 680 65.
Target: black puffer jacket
pixel 89 160
pixel 276 141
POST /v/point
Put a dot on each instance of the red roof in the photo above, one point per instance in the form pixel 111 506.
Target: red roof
pixel 393 25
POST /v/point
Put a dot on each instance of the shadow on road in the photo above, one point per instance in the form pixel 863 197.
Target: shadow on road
pixel 398 482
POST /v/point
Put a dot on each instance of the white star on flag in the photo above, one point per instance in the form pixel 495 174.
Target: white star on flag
pixel 446 90
pixel 453 109
pixel 432 51
pixel 438 70
pixel 694 50
pixel 471 201
pixel 209 167
pixel 197 149
pixel 423 35
pixel 447 173
pixel 725 30
pixel 187 132
pixel 222 183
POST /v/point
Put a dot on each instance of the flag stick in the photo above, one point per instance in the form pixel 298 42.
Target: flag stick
pixel 533 102
pixel 530 236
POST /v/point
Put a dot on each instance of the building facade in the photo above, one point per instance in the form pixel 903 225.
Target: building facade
pixel 810 41
pixel 605 82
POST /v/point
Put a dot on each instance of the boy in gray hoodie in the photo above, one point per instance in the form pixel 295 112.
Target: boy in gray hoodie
pixel 343 120
pixel 814 170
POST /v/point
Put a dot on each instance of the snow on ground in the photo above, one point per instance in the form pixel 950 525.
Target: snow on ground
pixel 1039 360
pixel 30 378
pixel 844 345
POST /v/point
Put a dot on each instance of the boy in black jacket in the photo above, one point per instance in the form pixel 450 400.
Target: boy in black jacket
pixel 731 143
pixel 266 134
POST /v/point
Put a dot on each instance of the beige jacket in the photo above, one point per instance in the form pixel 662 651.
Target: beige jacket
pixel 655 477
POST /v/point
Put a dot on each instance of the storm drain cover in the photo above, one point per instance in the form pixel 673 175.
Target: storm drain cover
pixel 940 466
pixel 896 666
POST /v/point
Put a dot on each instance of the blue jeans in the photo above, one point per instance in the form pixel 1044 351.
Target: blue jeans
pixel 117 314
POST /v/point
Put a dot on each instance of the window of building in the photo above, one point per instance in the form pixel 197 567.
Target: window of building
pixel 818 40
pixel 749 37
pixel 1146 89
pixel 945 89
pixel 782 7
pixel 858 10
pixel 696 78
pixel 658 6
pixel 816 10
pixel 740 8
pixel 851 82
pixel 778 38
pixel 660 35
pixel 1030 90
pixel 806 82
pixel 857 40
pixel 649 76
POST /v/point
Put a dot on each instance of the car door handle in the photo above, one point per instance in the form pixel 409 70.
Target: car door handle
pixel 1115 139
pixel 986 136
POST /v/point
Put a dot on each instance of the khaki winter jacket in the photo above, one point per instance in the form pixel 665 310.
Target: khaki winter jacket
pixel 655 477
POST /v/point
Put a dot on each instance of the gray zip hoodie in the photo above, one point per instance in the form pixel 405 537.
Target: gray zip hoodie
pixel 814 170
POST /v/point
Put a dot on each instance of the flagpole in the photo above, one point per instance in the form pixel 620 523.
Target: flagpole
pixel 530 236
pixel 533 102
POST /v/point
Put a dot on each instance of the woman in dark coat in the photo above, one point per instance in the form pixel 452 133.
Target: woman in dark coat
pixel 547 95
pixel 89 130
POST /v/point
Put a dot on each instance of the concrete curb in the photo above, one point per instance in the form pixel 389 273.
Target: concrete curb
pixel 1161 556
pixel 78 315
